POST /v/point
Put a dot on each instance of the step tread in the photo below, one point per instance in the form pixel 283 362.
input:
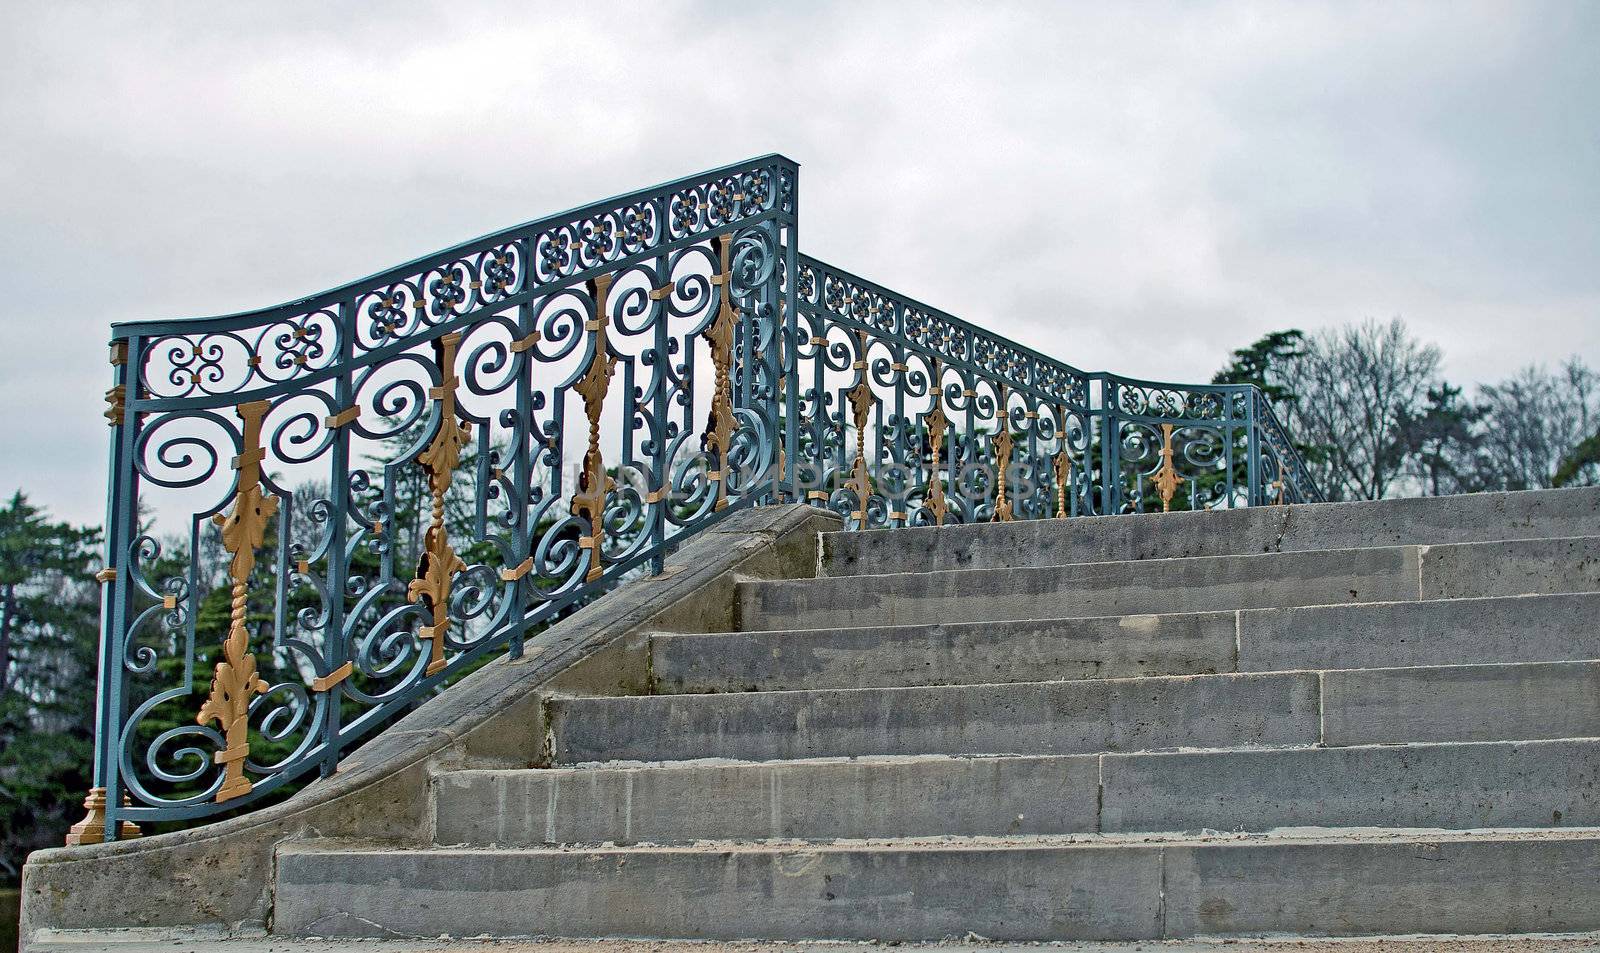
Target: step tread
pixel 1455 631
pixel 691 764
pixel 1135 565
pixel 1179 584
pixel 1290 836
pixel 1528 514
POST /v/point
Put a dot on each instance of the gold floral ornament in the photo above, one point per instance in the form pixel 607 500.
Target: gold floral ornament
pixel 719 336
pixel 861 409
pixel 438 564
pixel 236 682
pixel 589 500
pixel 1002 462
pixel 936 423
pixel 1166 479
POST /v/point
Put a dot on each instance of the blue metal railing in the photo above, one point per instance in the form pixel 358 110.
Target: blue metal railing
pixel 374 487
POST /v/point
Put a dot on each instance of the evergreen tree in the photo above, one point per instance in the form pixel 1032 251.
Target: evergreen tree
pixel 49 609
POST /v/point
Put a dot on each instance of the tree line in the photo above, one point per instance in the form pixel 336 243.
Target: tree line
pixel 1374 417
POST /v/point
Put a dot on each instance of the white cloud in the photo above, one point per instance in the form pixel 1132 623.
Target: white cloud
pixel 1132 187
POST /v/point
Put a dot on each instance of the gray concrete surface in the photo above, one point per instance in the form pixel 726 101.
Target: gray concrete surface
pixel 1199 584
pixel 1543 628
pixel 946 654
pixel 1090 887
pixel 1191 584
pixel 1029 718
pixel 1426 521
pixel 1466 886
pixel 1551 628
pixel 887 893
pixel 1446 786
pixel 1455 786
pixel 1512 568
pixel 815 800
pixel 140 941
pixel 1462 703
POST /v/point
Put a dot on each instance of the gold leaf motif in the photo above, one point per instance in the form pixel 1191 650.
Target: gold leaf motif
pixel 936 423
pixel 1166 479
pixel 1002 463
pixel 235 680
pixel 589 500
pixel 438 563
pixel 861 410
pixel 719 336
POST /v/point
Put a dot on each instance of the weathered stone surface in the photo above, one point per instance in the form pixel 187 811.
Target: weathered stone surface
pixel 1513 784
pixel 1202 584
pixel 1456 519
pixel 904 797
pixel 1437 884
pixel 946 654
pixel 1092 886
pixel 1462 703
pixel 1518 567
pixel 885 893
pixel 1436 632
pixel 1032 718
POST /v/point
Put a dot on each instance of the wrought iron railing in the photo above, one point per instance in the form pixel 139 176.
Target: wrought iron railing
pixel 377 487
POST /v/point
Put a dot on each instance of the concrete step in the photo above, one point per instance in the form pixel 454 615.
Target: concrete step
pixel 1362 635
pixel 1472 518
pixel 1193 584
pixel 1077 717
pixel 1066 888
pixel 1362 706
pixel 1452 786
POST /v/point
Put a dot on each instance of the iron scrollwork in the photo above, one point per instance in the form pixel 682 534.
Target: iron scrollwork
pixel 368 490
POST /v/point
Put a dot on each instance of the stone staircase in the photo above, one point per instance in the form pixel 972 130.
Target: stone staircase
pixel 1343 719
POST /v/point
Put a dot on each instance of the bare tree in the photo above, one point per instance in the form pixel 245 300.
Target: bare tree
pixel 1534 420
pixel 1359 387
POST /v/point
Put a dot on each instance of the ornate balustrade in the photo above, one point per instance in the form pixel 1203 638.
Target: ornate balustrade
pixel 321 512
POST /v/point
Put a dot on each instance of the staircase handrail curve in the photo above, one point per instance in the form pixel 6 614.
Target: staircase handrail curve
pixel 573 245
pixel 669 347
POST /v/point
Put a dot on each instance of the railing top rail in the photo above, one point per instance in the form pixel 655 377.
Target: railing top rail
pixel 872 287
pixel 817 302
pixel 243 319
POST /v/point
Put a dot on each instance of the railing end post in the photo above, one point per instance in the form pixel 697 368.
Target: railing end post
pixel 92 829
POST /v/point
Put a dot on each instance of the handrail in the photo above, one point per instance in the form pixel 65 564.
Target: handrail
pixel 379 485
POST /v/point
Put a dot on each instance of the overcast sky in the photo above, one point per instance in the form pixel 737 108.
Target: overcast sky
pixel 1132 187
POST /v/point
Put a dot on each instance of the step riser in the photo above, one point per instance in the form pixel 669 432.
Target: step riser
pixel 1434 786
pixel 1047 893
pixel 1436 632
pixel 1049 718
pixel 1372 706
pixel 1466 703
pixel 1396 574
pixel 885 657
pixel 1460 519
pixel 1457 786
pixel 1078 591
pixel 1460 631
pixel 970 796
